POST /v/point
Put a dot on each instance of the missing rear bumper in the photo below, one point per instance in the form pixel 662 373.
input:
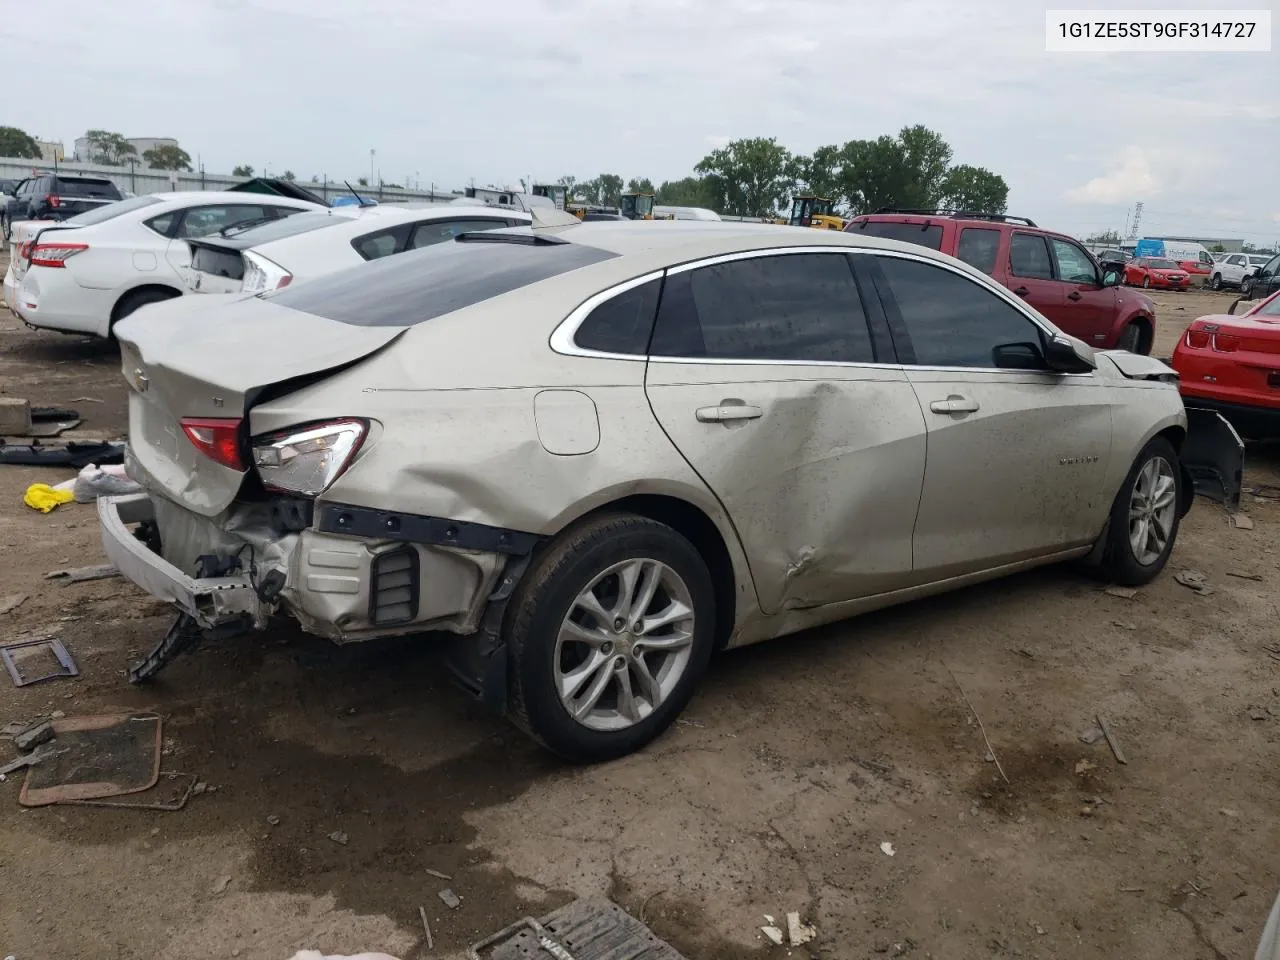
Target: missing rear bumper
pixel 1213 454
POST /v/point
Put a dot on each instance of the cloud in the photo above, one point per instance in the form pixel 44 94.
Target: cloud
pixel 1131 178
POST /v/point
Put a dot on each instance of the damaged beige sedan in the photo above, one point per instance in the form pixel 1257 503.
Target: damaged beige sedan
pixel 584 461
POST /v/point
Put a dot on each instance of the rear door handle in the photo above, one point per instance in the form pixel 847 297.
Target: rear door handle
pixel 728 410
pixel 1073 295
pixel 954 404
pixel 1022 291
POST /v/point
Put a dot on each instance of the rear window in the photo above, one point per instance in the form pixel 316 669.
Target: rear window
pixel 978 247
pixel 109 211
pixel 218 262
pixel 286 227
pixel 925 234
pixel 85 187
pixel 421 284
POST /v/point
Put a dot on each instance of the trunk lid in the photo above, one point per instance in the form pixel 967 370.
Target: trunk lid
pixel 212 357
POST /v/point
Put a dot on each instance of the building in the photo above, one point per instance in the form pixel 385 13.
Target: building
pixel 84 153
pixel 51 151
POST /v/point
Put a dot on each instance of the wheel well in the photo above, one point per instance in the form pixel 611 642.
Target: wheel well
pixel 699 529
pixel 1147 333
pixel 146 288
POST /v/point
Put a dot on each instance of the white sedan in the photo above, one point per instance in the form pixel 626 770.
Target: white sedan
pixel 84 274
pixel 273 255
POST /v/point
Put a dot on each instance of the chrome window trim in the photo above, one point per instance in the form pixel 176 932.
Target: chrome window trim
pixel 562 341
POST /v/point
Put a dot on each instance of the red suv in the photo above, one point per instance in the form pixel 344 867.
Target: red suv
pixel 1052 272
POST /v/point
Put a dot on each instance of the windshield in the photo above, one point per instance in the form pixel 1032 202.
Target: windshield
pixel 109 211
pixel 251 235
pixel 925 234
pixel 85 187
pixel 1162 265
pixel 1269 308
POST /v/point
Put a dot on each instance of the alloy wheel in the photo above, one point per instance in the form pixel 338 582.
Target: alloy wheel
pixel 624 644
pixel 1152 508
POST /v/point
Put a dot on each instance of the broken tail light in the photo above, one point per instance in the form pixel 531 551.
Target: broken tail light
pixel 306 460
pixel 53 200
pixel 54 254
pixel 217 438
pixel 262 275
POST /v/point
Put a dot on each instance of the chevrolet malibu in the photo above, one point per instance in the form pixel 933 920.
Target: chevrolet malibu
pixel 584 461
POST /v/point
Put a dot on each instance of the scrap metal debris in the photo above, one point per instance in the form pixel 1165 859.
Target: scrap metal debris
pixel 590 929
pixel 426 928
pixel 773 933
pixel 1092 735
pixel 1112 742
pixel 1230 573
pixel 1195 580
pixel 1241 522
pixel 437 874
pixel 449 899
pixel 1124 593
pixel 887 849
pixel 799 933
pixel 339 837
pixel 73 454
pixel 169 795
pixel 33 735
pixel 98 571
pixel 32 661
pixel 101 757
pixel 29 760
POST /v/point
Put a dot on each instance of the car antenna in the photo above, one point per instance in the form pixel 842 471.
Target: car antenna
pixel 359 199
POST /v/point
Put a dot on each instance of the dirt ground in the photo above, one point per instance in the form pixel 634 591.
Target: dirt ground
pixel 795 765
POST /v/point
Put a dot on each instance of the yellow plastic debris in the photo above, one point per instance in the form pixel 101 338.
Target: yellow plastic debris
pixel 42 497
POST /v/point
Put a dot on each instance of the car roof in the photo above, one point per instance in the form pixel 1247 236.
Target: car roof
pixel 353 221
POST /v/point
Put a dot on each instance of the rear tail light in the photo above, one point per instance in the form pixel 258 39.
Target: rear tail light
pixel 262 275
pixel 1198 339
pixel 217 438
pixel 53 200
pixel 1226 343
pixel 307 459
pixel 54 254
pixel 24 250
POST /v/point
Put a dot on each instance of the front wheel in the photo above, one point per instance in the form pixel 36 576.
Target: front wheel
pixel 1146 283
pixel 1145 516
pixel 5 227
pixel 1130 339
pixel 608 635
pixel 1246 289
pixel 1216 282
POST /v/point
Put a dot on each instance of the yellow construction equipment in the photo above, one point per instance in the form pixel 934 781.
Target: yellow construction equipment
pixel 817 212
pixel 636 206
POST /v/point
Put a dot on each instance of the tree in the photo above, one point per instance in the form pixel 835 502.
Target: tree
pixel 570 185
pixel 977 190
pixel 604 191
pixel 749 178
pixel 820 173
pixel 18 143
pixel 362 181
pixel 642 185
pixel 243 170
pixel 289 175
pixel 1216 248
pixel 689 192
pixel 109 148
pixel 1104 237
pixel 167 157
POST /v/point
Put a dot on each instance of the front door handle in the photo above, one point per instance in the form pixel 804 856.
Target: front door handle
pixel 1022 291
pixel 954 404
pixel 1073 295
pixel 727 411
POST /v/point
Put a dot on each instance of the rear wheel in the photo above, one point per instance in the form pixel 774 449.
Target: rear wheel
pixel 5 227
pixel 1146 282
pixel 1130 339
pixel 1246 289
pixel 140 298
pixel 608 635
pixel 1144 517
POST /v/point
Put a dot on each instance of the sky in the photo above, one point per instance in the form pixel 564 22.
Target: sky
pixel 450 90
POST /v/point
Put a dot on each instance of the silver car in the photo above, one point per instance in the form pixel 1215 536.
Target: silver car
pixel 596 456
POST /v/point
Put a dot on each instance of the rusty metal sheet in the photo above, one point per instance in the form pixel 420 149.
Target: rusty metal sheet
pixel 589 929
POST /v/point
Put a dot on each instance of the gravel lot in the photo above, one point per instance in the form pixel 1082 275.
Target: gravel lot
pixel 796 762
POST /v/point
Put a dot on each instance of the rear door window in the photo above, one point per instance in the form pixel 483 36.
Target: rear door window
pixel 794 307
pixel 622 324
pixel 1029 257
pixel 978 247
pixel 925 234
pixel 383 243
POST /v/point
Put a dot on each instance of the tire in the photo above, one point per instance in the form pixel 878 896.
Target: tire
pixel 546 648
pixel 1121 562
pixel 1146 283
pixel 1246 288
pixel 1130 338
pixel 132 301
pixel 1216 282
pixel 6 228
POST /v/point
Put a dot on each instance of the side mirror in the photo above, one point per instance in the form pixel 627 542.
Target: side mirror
pixel 1064 355
pixel 1111 275
pixel 1019 356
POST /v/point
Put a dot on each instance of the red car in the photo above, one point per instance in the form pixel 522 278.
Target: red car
pixel 1231 364
pixel 1156 272
pixel 1049 270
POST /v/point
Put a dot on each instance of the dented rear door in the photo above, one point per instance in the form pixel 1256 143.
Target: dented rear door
pixel 763 374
